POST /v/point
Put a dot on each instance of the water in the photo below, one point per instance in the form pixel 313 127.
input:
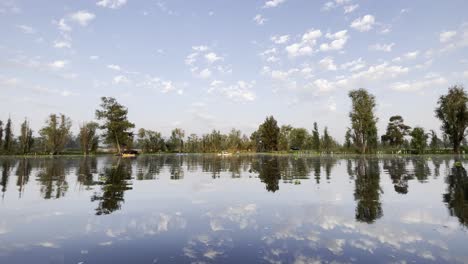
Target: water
pixel 247 209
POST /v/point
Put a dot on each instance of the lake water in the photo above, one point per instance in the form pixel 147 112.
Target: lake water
pixel 246 209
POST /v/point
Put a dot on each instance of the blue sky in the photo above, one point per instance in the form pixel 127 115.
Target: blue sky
pixel 205 64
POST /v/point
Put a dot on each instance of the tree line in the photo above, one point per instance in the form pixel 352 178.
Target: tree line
pixel 112 129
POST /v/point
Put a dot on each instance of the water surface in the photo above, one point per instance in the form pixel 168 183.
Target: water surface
pixel 245 209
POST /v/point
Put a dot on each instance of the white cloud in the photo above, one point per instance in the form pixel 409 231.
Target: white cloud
pixel 241 91
pixel 412 55
pixel 63 26
pixel 62 44
pixel 58 64
pixel 350 8
pixel 112 3
pixel 259 19
pixel 280 39
pixel 273 3
pixel 82 17
pixel 120 79
pixel 327 64
pixel 26 29
pixel 465 74
pixel 431 82
pixel 339 39
pixel 212 57
pixel 364 23
pixel 354 65
pixel 447 36
pixel 306 45
pixel 205 73
pixel 93 57
pixel 333 4
pixel 382 47
pixel 114 67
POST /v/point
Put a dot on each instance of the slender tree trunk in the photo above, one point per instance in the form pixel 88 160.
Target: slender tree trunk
pixel 118 144
pixel 456 147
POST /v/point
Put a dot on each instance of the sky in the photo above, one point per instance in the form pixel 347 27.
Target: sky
pixel 205 64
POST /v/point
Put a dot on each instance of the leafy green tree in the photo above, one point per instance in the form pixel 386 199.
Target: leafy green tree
pixel 269 134
pixel 363 120
pixel 26 139
pixel 348 138
pixel 283 141
pixel 56 133
pixel 8 140
pixel 327 141
pixel 315 138
pixel 418 139
pixel 151 141
pixel 177 139
pixel 453 112
pixel 234 140
pixel 193 144
pixel 298 138
pixel 396 131
pixel 117 128
pixel 89 139
pixel 435 141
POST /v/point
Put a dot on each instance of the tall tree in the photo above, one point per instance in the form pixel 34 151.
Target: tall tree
pixel 348 137
pixel 56 133
pixel 452 110
pixel 117 128
pixel 151 141
pixel 1 134
pixel 8 140
pixel 327 141
pixel 283 141
pixel 269 134
pixel 89 139
pixel 396 131
pixel 315 138
pixel 435 141
pixel 418 139
pixel 363 121
pixel 26 139
pixel 177 139
pixel 298 138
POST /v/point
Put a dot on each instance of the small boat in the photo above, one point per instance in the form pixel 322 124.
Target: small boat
pixel 129 154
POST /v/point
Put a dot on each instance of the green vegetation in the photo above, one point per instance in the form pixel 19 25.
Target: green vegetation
pixel 115 133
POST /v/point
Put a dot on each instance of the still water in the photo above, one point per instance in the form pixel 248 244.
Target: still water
pixel 246 209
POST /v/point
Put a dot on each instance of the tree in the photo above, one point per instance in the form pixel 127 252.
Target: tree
pixel 348 138
pixel 1 134
pixel 234 140
pixel 26 139
pixel 56 133
pixel 453 112
pixel 89 140
pixel 435 141
pixel 117 128
pixel 327 141
pixel 151 141
pixel 283 141
pixel 418 139
pixel 269 134
pixel 177 139
pixel 8 140
pixel 298 138
pixel 363 121
pixel 396 131
pixel 315 138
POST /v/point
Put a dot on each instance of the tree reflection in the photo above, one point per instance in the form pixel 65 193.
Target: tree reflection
pixel 397 170
pixel 268 170
pixel 23 171
pixel 86 171
pixel 52 178
pixel 367 191
pixel 6 168
pixel 115 181
pixel 456 197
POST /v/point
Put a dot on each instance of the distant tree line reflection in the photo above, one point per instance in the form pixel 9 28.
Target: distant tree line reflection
pixel 108 178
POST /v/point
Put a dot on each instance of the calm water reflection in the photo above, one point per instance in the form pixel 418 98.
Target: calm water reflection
pixel 246 209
